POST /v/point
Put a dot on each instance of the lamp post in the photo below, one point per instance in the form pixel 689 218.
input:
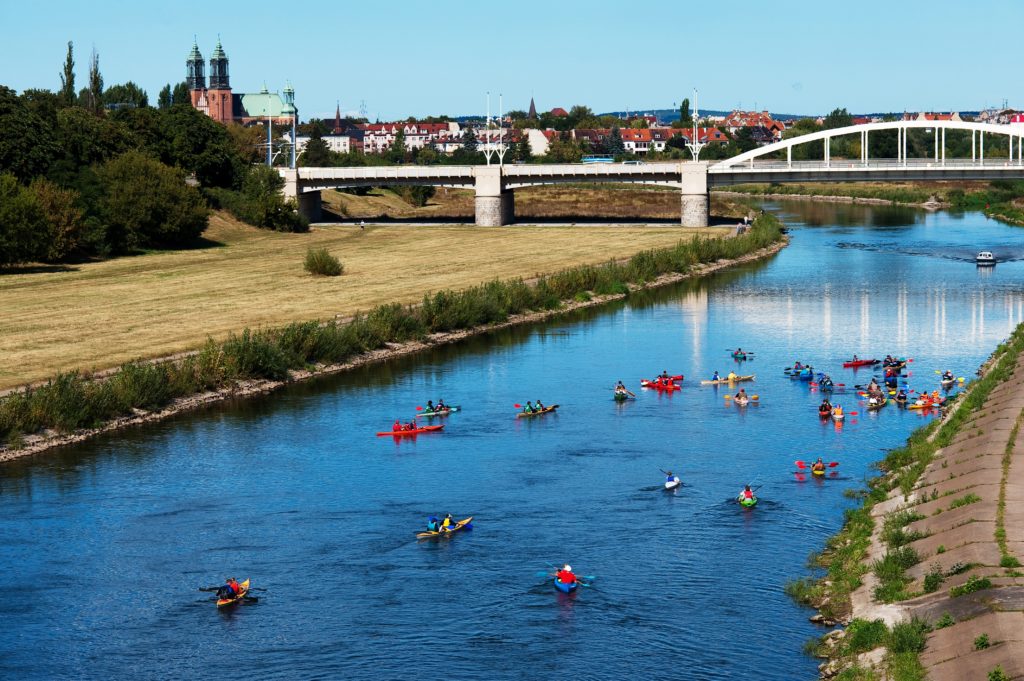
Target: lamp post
pixel 695 145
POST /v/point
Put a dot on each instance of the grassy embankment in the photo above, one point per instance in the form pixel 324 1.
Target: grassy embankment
pixel 846 561
pixel 1002 200
pixel 73 400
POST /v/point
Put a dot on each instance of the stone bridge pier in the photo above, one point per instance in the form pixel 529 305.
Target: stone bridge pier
pixel 495 205
pixel 694 200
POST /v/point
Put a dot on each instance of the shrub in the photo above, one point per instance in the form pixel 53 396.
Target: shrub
pixel 805 591
pixel 941 549
pixel 973 583
pixel 964 500
pixel 320 262
pixel 908 637
pixel 981 642
pixel 946 620
pixel 862 636
pixel 933 580
pixel 997 674
pixel 1009 561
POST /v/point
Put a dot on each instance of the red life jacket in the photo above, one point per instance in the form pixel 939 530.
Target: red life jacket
pixel 565 577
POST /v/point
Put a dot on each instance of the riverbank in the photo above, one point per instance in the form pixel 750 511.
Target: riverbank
pixel 96 315
pixel 926 574
pixel 36 420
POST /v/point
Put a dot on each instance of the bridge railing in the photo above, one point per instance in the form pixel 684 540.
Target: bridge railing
pixel 873 164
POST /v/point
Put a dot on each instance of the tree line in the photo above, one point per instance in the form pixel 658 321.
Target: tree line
pixel 97 172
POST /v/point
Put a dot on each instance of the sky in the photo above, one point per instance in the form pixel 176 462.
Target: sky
pixel 406 58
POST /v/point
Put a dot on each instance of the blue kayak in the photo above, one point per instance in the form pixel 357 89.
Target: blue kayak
pixel 565 588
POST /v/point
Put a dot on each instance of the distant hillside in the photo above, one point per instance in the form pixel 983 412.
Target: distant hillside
pixel 669 115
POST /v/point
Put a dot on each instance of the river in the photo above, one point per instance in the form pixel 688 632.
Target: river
pixel 103 545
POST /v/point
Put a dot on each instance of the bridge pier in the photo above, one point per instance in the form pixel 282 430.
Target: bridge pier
pixel 694 200
pixel 309 206
pixel 495 205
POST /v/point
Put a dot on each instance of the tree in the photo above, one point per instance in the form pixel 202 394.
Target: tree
pixel 62 217
pixel 128 94
pixel 838 118
pixel 27 145
pixel 195 142
pixel 524 152
pixel 44 104
pixel 164 99
pixel 564 151
pixel 745 139
pixel 22 230
pixel 265 206
pixel 249 142
pixel 639 124
pixel 180 94
pixel 94 93
pixel 397 150
pixel 67 77
pixel 316 154
pixel 469 141
pixel 147 204
pixel 614 143
pixel 685 118
pixel 86 139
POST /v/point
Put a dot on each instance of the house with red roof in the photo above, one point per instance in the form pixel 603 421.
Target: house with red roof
pixel 559 111
pixel 754 119
pixel 378 137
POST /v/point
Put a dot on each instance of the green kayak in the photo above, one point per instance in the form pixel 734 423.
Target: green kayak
pixel 747 503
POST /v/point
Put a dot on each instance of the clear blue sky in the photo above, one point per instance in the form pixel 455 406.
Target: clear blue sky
pixel 418 58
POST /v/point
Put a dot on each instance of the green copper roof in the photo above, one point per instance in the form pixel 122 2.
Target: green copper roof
pixel 264 104
pixel 218 52
pixel 194 55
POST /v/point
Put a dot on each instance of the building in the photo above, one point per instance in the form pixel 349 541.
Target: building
pixel 378 137
pixel 930 116
pixel 754 119
pixel 217 100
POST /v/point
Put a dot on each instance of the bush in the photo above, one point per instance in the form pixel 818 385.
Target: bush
pixel 946 620
pixel 22 226
pixel 997 674
pixel 862 636
pixel 319 261
pixel 933 580
pixel 964 500
pixel 973 583
pixel 981 642
pixel 908 637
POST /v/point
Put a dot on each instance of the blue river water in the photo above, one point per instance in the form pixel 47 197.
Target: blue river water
pixel 103 545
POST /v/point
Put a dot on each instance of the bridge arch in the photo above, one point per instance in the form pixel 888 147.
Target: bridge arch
pixel 977 130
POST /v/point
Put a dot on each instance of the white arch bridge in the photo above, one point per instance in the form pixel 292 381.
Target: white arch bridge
pixel 495 184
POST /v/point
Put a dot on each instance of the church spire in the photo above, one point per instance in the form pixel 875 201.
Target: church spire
pixel 219 69
pixel 195 72
pixel 533 110
pixel 337 119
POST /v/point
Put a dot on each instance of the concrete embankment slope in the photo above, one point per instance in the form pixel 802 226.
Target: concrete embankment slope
pixel 969 502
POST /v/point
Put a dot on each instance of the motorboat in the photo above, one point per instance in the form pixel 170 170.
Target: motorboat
pixel 985 258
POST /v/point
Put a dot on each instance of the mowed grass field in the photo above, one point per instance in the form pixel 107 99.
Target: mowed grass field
pixel 98 315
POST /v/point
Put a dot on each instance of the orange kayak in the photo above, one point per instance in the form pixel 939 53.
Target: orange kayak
pixel 416 431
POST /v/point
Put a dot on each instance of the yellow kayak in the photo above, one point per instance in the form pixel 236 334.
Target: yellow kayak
pixel 461 525
pixel 244 586
pixel 722 381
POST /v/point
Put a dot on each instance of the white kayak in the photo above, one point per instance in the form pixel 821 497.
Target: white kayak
pixel 673 483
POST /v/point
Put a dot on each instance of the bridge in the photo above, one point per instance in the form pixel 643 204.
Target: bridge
pixel 495 185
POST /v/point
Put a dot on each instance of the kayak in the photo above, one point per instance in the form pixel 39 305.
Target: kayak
pixel 565 588
pixel 414 431
pixel 747 503
pixel 861 363
pixel 622 397
pixel 466 524
pixel 244 589
pixel 817 472
pixel 878 405
pixel 741 402
pixel 644 383
pixel 824 413
pixel 918 405
pixel 826 387
pixel 947 383
pixel 722 381
pixel 838 417
pixel 439 412
pixel 545 410
pixel 673 483
pixel 739 355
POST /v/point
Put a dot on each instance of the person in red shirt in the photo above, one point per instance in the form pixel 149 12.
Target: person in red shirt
pixel 747 492
pixel 565 575
pixel 397 426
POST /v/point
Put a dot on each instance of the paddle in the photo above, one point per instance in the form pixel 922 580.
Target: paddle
pixel 801 464
pixel 419 408
pixel 752 397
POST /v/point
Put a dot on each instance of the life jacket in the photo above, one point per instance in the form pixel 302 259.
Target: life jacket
pixel 447 523
pixel 234 587
pixel 748 494
pixel 565 577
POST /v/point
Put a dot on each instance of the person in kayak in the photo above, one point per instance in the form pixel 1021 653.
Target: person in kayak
pixel 440 405
pixel 818 465
pixel 825 409
pixel 528 409
pixel 947 376
pixel 669 477
pixel 797 366
pixel 741 395
pixel 540 406
pixel 716 377
pixel 901 396
pixel 732 376
pixel 231 589
pixel 747 493
pixel 565 575
pixel 856 359
pixel 397 426
pixel 410 426
pixel 620 387
pixel 433 525
pixel 430 407
pixel 837 411
pixel 448 524
pixel 873 385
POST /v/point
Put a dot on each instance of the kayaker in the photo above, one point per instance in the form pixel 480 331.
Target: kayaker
pixel 935 396
pixel 432 524
pixel 797 366
pixel 837 410
pixel 664 374
pixel 540 406
pixel 430 407
pixel 448 523
pixel 747 493
pixel 855 358
pixel 732 376
pixel 901 396
pixel 669 477
pixel 620 387
pixel 440 405
pixel 231 589
pixel 716 377
pixel 411 425
pixel 565 575
pixel 818 465
pixel 825 408
pixel 741 395
pixel 397 426
pixel 947 376
pixel 528 409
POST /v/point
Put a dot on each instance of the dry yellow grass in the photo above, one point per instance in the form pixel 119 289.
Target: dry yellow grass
pixel 102 314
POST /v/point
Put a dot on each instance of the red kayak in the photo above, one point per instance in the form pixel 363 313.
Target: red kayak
pixel 861 363
pixel 658 385
pixel 417 431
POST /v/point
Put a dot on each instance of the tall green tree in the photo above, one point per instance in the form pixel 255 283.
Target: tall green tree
pixel 838 118
pixel 316 154
pixel 614 143
pixel 198 144
pixel 146 204
pixel 94 93
pixel 22 229
pixel 685 117
pixel 27 145
pixel 67 77
pixel 524 152
pixel 164 100
pixel 469 141
pixel 127 93
pixel 180 94
pixel 397 151
pixel 63 219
